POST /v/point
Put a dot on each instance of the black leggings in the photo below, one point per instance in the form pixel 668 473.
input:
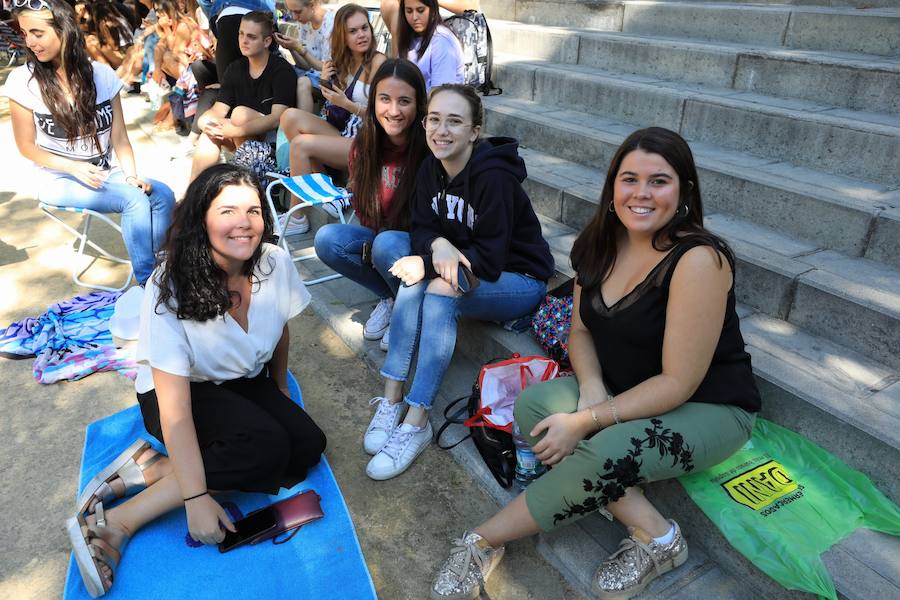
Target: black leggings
pixel 251 436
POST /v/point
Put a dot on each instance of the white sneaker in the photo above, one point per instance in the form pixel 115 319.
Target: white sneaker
pixel 382 425
pixel 404 445
pixel 296 225
pixel 384 344
pixel 336 207
pixel 379 320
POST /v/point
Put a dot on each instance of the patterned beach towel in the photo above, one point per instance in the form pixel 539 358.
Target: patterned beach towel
pixel 70 341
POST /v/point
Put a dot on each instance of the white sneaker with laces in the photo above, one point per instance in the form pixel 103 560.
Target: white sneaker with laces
pixel 382 425
pixel 294 226
pixel 401 449
pixel 384 344
pixel 336 207
pixel 379 320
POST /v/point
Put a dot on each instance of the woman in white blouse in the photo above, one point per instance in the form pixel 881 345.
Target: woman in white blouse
pixel 213 384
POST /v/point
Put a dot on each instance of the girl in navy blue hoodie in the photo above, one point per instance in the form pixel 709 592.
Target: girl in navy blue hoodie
pixel 477 251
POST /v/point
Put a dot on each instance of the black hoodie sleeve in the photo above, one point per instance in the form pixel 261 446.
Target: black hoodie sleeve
pixel 495 202
pixel 425 224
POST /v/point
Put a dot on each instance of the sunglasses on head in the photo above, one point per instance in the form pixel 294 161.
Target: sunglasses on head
pixel 31 4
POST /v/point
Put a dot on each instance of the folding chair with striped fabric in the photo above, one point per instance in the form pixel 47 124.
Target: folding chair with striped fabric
pixel 316 189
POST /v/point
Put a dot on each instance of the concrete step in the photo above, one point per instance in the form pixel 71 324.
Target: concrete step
pixel 852 301
pixel 810 404
pixel 798 131
pixel 843 29
pixel 859 82
pixel 853 217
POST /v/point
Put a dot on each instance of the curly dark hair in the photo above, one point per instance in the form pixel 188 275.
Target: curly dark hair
pixel 190 282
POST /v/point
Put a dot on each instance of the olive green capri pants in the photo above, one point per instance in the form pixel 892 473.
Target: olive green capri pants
pixel 692 437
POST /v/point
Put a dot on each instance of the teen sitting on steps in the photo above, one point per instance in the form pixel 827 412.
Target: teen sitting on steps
pixel 423 39
pixel 256 90
pixel 384 160
pixel 469 210
pixel 662 384
pixel 311 49
pixel 315 142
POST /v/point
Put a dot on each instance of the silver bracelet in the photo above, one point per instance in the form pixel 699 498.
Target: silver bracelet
pixel 612 407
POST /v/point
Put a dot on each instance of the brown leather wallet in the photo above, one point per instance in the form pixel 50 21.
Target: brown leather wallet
pixel 291 514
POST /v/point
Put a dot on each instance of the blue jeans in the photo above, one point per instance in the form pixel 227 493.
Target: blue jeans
pixel 340 247
pixel 145 219
pixel 429 322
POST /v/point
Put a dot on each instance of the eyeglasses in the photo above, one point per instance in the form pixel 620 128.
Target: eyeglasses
pixel 433 122
pixel 31 4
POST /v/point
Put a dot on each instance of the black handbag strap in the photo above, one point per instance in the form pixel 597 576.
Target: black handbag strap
pixel 349 91
pixel 457 418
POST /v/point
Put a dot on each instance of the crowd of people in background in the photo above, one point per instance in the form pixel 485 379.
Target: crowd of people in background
pixel 445 230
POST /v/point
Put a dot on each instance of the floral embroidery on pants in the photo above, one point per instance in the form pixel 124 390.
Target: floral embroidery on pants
pixel 623 473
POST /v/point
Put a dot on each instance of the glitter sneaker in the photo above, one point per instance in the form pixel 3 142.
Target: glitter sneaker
pixel 638 561
pixel 382 425
pixel 463 574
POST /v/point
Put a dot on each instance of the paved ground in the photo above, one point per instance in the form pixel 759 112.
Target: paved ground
pixel 404 525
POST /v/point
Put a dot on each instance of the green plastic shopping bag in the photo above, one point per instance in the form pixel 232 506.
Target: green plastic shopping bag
pixel 782 501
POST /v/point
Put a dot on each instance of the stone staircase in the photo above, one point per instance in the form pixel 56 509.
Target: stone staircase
pixel 793 113
pixel 792 110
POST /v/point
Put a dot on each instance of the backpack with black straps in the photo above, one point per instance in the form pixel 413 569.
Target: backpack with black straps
pixel 472 30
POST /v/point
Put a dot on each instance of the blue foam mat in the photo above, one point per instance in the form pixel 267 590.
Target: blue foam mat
pixel 324 559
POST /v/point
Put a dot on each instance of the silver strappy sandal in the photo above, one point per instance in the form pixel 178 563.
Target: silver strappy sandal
pixel 124 467
pixel 87 553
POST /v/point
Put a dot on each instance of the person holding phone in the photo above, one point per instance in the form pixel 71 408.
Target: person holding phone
pixel 311 49
pixel 67 119
pixel 345 81
pixel 470 213
pixel 212 383
pixel 384 160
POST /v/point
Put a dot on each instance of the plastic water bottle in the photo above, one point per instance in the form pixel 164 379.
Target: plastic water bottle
pixel 528 466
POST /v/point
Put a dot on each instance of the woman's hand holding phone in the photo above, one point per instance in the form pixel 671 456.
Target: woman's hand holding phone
pixel 288 42
pixel 446 259
pixel 89 174
pixel 203 516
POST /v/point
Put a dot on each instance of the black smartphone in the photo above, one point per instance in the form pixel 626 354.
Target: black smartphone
pixel 465 279
pixel 248 528
pixel 367 253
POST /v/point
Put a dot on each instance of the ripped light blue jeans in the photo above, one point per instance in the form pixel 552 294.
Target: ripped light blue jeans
pixel 428 322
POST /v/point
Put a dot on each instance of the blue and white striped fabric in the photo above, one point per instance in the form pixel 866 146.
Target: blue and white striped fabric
pixel 316 188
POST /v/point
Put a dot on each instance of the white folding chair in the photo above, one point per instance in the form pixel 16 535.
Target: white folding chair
pixel 311 190
pixel 83 241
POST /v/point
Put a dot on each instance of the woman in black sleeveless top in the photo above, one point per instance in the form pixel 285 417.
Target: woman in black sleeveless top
pixel 662 386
